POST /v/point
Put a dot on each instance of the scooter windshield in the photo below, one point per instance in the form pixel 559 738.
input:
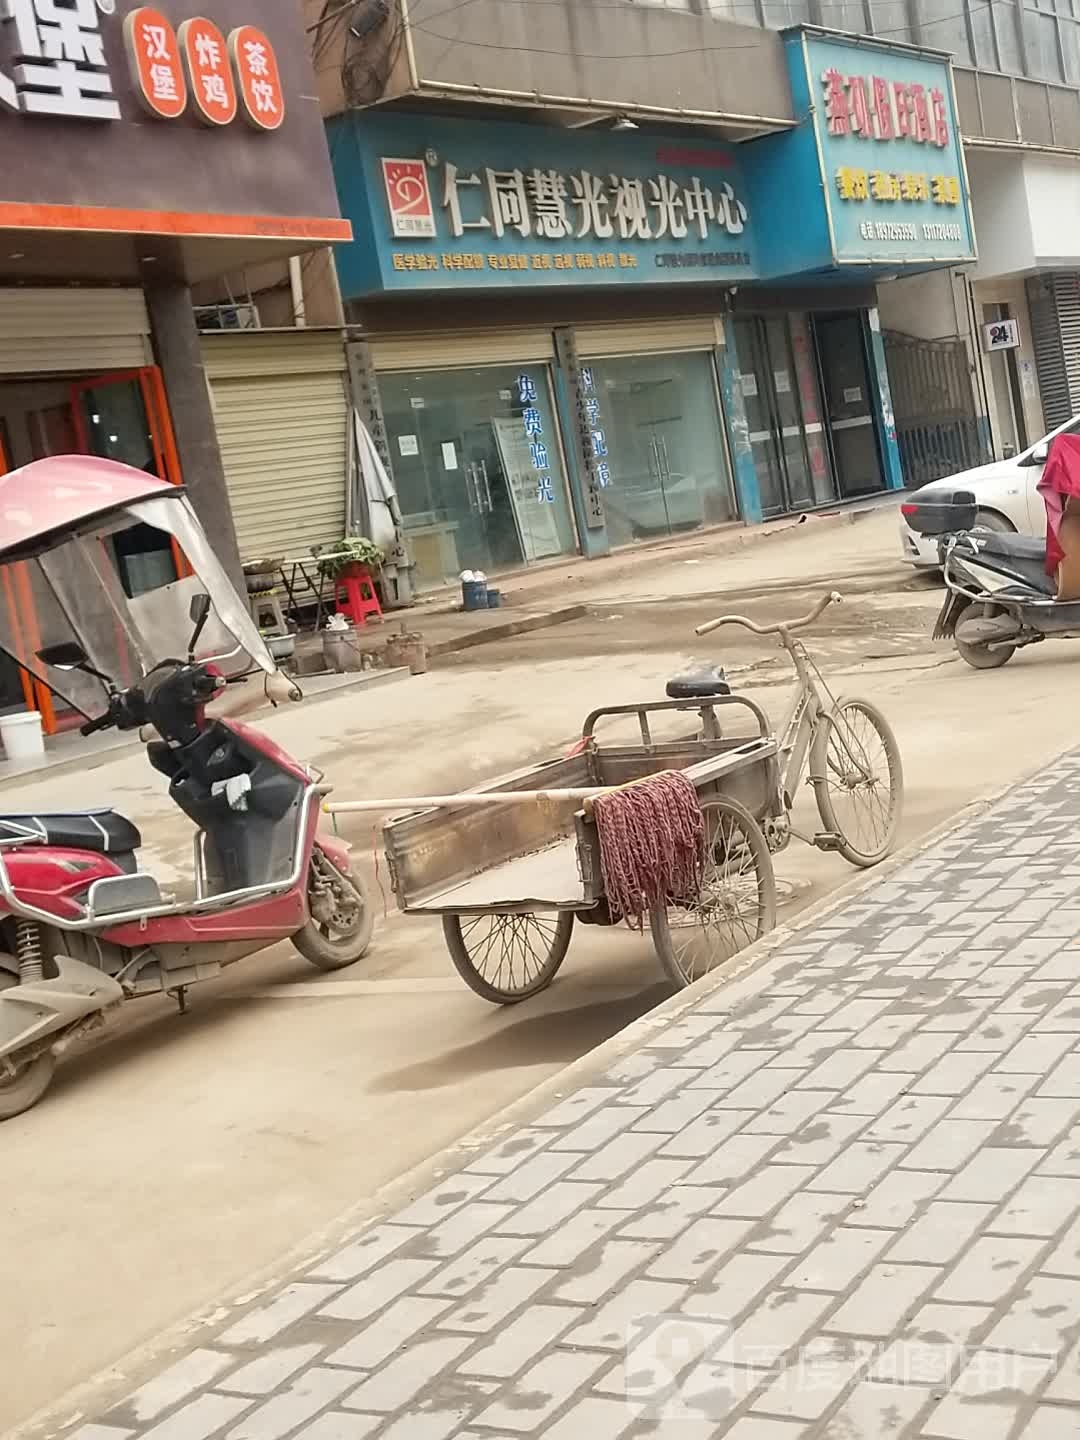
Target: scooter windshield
pixel 85 589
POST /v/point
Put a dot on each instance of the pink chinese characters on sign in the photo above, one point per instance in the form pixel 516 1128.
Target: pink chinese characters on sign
pixel 880 111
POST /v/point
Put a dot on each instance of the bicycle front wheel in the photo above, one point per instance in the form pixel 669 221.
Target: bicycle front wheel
pixel 858 780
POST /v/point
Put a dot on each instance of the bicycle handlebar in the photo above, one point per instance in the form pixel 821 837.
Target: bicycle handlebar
pixel 833 598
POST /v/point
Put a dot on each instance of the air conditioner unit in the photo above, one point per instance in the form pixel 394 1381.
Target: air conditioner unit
pixel 227 317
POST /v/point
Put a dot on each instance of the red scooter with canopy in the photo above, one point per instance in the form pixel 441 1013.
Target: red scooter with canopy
pixel 82 926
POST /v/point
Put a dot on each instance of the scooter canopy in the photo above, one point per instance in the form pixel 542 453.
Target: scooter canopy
pixel 104 557
pixel 58 495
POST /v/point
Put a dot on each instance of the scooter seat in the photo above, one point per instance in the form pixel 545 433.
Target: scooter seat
pixel 102 831
pixel 1022 557
pixel 1012 547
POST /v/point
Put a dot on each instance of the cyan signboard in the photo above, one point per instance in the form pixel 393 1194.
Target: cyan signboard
pixel 874 172
pixel 440 203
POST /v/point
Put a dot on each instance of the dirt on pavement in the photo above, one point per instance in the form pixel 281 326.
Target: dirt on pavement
pixel 176 1157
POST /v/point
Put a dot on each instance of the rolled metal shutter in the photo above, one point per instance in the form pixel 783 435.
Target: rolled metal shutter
pixel 649 337
pixel 282 422
pixel 1054 310
pixel 73 331
pixel 450 348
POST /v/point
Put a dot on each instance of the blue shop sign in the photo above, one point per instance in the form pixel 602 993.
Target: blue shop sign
pixel 878 137
pixel 441 204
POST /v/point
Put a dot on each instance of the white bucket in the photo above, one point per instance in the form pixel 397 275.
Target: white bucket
pixel 21 736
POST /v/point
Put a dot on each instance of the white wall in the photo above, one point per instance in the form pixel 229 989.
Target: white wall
pixel 926 306
pixel 1053 198
pixel 1027 212
pixel 1000 203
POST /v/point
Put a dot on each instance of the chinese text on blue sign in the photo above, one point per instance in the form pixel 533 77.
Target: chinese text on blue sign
pixel 511 204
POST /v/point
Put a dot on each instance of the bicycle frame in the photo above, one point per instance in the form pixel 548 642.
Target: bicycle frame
pixel 837 769
pixel 801 721
pixel 807 708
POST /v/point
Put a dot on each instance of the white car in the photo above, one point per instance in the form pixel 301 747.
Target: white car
pixel 1004 491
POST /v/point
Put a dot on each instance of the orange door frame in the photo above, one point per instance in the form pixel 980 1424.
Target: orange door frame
pixel 17 589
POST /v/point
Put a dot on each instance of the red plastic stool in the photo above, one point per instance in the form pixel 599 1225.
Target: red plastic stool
pixel 356 599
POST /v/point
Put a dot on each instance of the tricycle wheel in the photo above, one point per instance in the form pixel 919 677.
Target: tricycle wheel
pixel 507 958
pixel 735 906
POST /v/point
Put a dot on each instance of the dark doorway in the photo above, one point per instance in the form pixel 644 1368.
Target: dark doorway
pixel 845 374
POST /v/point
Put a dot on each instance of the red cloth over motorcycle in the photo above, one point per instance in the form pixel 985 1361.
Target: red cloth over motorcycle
pixel 1060 482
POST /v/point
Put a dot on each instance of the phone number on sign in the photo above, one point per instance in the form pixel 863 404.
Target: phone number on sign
pixel 906 230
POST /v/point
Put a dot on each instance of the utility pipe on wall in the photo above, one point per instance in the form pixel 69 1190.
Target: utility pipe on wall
pixel 296 284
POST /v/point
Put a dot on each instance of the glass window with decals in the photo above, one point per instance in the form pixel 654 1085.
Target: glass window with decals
pixel 666 462
pixel 478 467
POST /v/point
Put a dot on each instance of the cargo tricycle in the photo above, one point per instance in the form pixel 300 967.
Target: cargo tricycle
pixel 510 866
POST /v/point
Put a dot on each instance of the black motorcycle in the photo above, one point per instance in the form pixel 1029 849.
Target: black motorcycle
pixel 1000 597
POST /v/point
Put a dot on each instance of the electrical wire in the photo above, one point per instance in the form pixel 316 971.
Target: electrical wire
pixel 365 67
pixel 342 8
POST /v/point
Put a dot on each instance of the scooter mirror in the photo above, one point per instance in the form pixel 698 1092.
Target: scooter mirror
pixel 199 613
pixel 68 655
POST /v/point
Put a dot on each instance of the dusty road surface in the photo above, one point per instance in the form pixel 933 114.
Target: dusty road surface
pixel 177 1157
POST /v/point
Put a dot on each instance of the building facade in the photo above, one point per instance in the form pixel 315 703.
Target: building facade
pixel 702 89
pixel 574 338
pixel 146 149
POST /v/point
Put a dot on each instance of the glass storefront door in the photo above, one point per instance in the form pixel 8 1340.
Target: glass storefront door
pixel 849 400
pixel 478 468
pixel 783 412
pixel 666 454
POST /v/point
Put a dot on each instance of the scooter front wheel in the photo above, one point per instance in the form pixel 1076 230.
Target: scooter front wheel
pixel 341 924
pixel 26 1087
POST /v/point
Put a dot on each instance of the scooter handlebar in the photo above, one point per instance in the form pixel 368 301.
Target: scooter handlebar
pixel 103 722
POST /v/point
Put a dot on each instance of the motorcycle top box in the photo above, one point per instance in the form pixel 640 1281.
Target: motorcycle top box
pixel 949 514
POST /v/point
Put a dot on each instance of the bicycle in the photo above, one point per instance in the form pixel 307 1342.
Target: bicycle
pixel 849 746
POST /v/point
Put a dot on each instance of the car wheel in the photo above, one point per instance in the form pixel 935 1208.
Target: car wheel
pixel 991 520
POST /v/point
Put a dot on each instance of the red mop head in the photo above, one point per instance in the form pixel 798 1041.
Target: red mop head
pixel 652 844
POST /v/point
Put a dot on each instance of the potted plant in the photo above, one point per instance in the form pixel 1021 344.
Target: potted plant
pixel 355 557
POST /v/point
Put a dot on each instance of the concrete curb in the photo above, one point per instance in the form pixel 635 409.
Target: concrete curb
pixel 742 980
pixel 848 585
pixel 543 621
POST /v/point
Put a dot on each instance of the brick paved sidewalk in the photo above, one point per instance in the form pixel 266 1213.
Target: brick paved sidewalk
pixel 837 1198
